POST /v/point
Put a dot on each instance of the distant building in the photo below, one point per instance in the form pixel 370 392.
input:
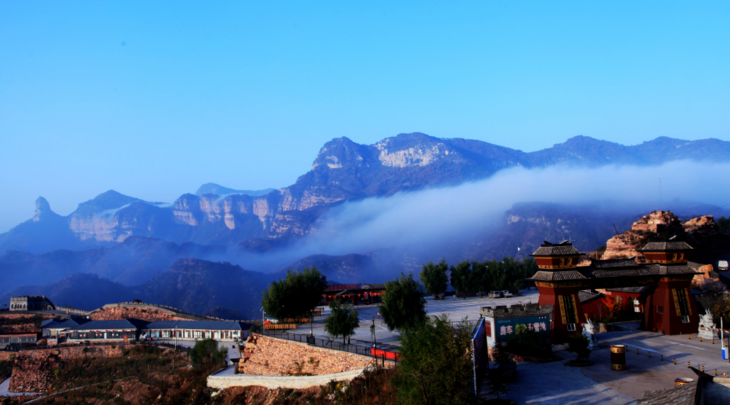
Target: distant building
pixel 54 327
pixel 126 330
pixel 31 303
pixel 195 330
pixel 355 294
pixel 18 339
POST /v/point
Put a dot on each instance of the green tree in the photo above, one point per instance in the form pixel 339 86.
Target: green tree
pixel 462 277
pixel 436 366
pixel 481 277
pixel 578 344
pixel 207 351
pixel 403 304
pixel 434 278
pixel 296 295
pixel 342 321
pixel 723 224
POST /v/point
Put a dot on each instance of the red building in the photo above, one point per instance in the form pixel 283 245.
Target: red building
pixel 667 304
pixel 355 294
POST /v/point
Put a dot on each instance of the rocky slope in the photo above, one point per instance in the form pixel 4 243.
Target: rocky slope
pixel 343 170
pixel 700 232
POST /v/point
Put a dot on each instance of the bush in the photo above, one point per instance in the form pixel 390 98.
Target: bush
pixel 206 351
pixel 578 344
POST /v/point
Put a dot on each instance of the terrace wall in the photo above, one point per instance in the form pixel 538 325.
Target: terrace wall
pixel 264 355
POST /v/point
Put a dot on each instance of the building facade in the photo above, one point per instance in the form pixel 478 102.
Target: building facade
pixel 196 330
pixel 123 330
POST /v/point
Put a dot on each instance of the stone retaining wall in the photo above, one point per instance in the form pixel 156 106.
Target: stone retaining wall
pixel 264 355
pixel 274 382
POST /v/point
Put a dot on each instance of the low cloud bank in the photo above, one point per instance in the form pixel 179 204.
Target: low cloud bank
pixel 433 218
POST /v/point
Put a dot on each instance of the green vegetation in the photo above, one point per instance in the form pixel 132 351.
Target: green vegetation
pixel 491 275
pixel 578 344
pixel 434 278
pixel 296 295
pixel 404 306
pixel 462 277
pixel 6 368
pixel 206 351
pixel 723 224
pixel 342 321
pixel 436 366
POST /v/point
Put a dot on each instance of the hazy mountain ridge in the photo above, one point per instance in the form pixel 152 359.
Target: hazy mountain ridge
pixel 192 285
pixel 342 171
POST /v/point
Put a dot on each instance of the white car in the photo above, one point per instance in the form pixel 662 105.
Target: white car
pixel 506 293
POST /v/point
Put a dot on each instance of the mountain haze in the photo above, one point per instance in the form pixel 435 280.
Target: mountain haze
pixel 342 171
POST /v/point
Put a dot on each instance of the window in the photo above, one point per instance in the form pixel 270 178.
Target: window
pixel 659 310
pixel 571 327
pixel 685 318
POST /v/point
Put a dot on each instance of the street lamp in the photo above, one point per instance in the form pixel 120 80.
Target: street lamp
pixel 375 343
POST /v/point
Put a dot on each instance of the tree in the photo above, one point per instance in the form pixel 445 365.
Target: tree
pixel 434 278
pixel 207 351
pixel 436 365
pixel 578 344
pixel 342 321
pixel 403 304
pixel 462 277
pixel 296 295
pixel 481 277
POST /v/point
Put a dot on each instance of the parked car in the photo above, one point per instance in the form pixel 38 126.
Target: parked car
pixel 495 294
pixel 722 265
pixel 506 293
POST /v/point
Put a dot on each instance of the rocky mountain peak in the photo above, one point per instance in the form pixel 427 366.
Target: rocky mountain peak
pixel 107 200
pixel 41 207
pixel 341 152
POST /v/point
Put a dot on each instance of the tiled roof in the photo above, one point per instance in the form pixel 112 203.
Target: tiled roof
pixel 587 296
pixel 631 290
pixel 202 325
pixel 162 325
pixel 64 323
pixel 561 275
pixel 661 246
pixel 672 269
pixel 559 249
pixel 111 325
pixel 608 264
pixel 680 395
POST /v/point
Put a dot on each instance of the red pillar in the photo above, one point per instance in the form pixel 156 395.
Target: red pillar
pixel 671 309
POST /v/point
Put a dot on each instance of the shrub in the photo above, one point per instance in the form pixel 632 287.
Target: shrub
pixel 578 344
pixel 529 342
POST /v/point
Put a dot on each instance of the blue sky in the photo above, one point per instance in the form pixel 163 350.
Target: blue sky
pixel 153 99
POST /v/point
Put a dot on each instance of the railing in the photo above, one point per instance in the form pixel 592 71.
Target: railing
pixel 335 345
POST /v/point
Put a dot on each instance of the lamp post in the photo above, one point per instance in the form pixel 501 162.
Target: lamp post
pixel 375 342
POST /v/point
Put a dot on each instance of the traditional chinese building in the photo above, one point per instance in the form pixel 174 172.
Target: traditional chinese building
pixel 560 281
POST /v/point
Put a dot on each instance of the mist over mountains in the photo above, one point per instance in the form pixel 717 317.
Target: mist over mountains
pixel 366 212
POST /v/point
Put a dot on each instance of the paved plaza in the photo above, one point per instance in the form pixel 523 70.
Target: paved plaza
pixel 455 308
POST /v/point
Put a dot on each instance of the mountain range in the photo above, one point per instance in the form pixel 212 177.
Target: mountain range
pixel 342 171
pixel 117 248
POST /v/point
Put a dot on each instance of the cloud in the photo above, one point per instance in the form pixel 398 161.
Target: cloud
pixel 434 217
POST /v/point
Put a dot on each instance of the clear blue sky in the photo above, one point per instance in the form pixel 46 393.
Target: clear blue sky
pixel 153 99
